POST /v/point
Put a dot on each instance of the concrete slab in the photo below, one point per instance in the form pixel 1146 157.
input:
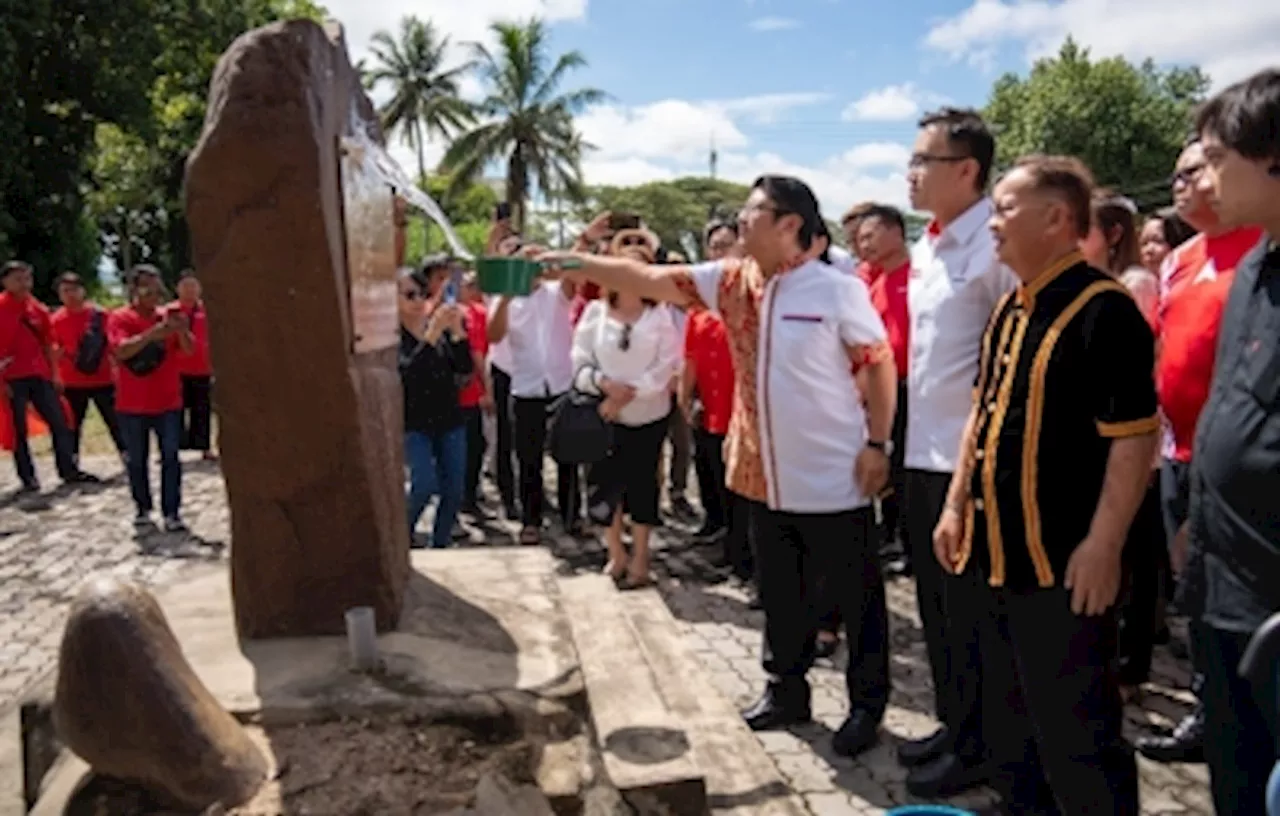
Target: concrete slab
pixel 475 621
pixel 12 800
pixel 741 778
pixel 646 748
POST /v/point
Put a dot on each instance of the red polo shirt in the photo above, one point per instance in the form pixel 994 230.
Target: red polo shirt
pixel 69 328
pixel 706 346
pixel 1198 281
pixel 158 392
pixel 25 332
pixel 195 364
pixel 477 318
pixel 888 290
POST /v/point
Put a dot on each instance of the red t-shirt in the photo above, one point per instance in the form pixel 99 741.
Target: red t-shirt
pixel 195 364
pixel 477 318
pixel 69 328
pixel 25 333
pixel 706 346
pixel 157 392
pixel 889 296
pixel 1190 315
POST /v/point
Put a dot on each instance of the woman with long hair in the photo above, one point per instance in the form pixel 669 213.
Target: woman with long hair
pixel 626 349
pixel 1112 246
pixel 435 361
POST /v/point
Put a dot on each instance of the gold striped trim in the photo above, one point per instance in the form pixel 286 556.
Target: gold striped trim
pixel 1027 293
pixel 967 455
pixel 1031 432
pixel 992 509
pixel 1134 427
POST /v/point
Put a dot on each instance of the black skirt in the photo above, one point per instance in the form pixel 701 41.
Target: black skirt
pixel 628 477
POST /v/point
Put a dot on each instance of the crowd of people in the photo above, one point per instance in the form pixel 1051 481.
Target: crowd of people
pixel 1060 415
pixel 144 366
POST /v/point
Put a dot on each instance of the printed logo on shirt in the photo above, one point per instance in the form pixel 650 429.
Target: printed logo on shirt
pixel 803 318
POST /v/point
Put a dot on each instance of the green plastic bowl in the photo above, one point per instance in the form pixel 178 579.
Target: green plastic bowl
pixel 506 276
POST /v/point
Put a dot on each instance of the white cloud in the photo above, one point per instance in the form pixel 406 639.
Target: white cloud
pixel 836 181
pixel 1230 40
pixel 765 109
pixel 773 24
pixel 673 129
pixel 893 103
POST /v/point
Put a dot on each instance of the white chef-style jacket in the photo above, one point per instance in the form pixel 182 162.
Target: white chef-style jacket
pixel 811 423
pixel 955 283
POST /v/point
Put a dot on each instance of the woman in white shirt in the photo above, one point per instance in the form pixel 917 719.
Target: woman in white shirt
pixel 627 350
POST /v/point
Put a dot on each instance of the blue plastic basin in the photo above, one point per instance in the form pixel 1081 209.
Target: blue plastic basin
pixel 928 810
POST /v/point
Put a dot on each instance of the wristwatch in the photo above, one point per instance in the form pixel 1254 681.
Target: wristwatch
pixel 885 447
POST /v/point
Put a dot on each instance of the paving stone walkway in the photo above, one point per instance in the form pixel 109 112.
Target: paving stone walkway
pixel 50 545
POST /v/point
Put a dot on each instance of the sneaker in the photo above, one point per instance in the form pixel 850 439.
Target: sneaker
pixel 142 523
pixel 173 524
pixel 82 478
pixel 28 489
pixel 682 509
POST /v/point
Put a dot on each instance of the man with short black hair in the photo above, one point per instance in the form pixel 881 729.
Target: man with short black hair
pixel 801 448
pixel 1054 461
pixel 88 374
pixel 31 377
pixel 1232 579
pixel 955 283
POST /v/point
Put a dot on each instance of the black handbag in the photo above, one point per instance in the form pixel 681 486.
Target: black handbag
pixel 578 434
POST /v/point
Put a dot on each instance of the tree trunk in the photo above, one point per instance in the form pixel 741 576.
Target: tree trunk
pixel 422 164
pixel 517 185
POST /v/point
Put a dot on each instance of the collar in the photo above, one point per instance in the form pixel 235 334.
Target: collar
pixel 1027 292
pixel 962 230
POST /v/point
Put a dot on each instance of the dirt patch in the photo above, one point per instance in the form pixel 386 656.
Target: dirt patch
pixel 384 767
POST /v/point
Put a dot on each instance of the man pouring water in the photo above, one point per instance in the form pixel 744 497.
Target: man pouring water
pixel 801 446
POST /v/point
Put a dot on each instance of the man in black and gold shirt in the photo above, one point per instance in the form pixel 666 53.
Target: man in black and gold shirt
pixel 1053 465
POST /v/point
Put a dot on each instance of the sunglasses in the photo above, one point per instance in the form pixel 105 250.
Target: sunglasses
pixel 634 241
pixel 624 342
pixel 411 294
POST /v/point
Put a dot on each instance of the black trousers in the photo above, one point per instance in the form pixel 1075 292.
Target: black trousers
pixel 739 541
pixel 628 477
pixel 102 396
pixel 1144 550
pixel 708 463
pixel 1052 697
pixel 1242 725
pixel 1175 504
pixel 793 550
pixel 531 416
pixel 681 443
pixel 40 393
pixel 474 419
pixel 503 448
pixel 952 625
pixel 197 413
pixel 893 521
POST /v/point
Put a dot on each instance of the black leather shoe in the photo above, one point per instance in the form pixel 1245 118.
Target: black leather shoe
pixel 779 707
pixel 947 775
pixel 920 751
pixel 858 733
pixel 1185 744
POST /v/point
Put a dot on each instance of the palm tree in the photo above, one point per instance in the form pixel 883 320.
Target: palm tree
pixel 525 121
pixel 425 99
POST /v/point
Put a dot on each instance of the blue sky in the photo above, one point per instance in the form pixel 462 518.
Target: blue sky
pixel 826 89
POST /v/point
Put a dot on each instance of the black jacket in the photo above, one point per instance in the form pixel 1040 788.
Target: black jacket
pixel 432 376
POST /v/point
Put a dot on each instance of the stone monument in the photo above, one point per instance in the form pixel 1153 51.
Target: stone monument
pixel 294 235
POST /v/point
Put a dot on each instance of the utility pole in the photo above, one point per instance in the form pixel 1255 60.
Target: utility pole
pixel 714 156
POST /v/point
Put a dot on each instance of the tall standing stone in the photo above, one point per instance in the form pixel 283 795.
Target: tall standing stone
pixel 310 411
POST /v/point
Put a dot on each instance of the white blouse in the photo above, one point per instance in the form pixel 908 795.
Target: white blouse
pixel 650 360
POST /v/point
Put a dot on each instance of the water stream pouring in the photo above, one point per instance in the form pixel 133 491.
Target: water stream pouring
pixel 375 159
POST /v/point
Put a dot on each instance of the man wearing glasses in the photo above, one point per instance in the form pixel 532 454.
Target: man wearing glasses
pixel 955 284
pixel 1194 282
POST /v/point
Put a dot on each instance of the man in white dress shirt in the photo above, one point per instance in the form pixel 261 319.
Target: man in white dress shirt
pixel 954 287
pixel 801 447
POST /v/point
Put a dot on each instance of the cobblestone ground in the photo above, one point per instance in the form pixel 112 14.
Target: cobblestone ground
pixel 48 547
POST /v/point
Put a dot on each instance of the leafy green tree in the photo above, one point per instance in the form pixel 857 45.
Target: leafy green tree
pixel 525 120
pixel 424 100
pixel 675 210
pixel 1127 122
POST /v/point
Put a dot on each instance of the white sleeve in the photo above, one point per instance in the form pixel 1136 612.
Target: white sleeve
pixel 657 377
pixel 583 353
pixel 857 319
pixel 706 279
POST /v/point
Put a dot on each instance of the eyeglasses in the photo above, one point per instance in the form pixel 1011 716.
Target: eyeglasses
pixel 1186 175
pixel 750 208
pixel 624 342
pixel 919 160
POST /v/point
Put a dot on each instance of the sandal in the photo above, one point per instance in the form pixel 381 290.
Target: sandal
pixel 530 536
pixel 630 582
pixel 616 571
